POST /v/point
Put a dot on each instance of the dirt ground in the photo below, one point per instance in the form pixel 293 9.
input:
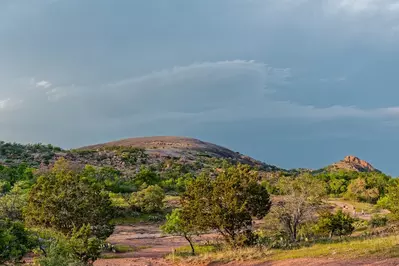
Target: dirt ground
pixel 151 248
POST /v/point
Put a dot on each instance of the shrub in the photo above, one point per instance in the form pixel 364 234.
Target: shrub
pixel 378 221
pixel 149 199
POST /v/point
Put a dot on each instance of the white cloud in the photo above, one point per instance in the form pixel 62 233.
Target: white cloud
pixel 3 103
pixel 43 84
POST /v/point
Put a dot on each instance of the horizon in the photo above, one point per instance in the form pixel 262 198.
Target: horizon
pixel 297 84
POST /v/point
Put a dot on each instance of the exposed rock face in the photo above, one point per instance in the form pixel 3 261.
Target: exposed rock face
pixel 353 163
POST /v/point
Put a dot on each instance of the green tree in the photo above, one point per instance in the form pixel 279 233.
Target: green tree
pixel 62 200
pixel 149 199
pixel 391 200
pixel 146 176
pixel 226 203
pixel 85 246
pixel 302 200
pixel 177 226
pixel 15 241
pixel 12 203
pixel 359 190
pixel 338 224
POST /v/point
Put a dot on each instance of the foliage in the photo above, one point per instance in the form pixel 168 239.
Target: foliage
pixel 302 200
pixel 12 204
pixel 390 200
pixel 175 225
pixel 338 224
pixel 226 203
pixel 378 221
pixel 149 199
pixel 80 248
pixel 61 199
pixel 358 190
pixel 109 179
pixel 15 241
pixel 32 154
pixel 85 246
pixel 146 176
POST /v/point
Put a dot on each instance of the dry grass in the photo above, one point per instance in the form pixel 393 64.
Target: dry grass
pixel 386 247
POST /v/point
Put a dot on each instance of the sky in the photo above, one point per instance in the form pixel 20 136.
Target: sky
pixel 293 83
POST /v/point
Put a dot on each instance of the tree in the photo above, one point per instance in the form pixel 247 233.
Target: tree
pixel 149 199
pixel 63 200
pixel 358 190
pixel 226 203
pixel 12 204
pixel 177 226
pixel 146 176
pixel 338 224
pixel 303 198
pixel 15 241
pixel 391 200
pixel 85 247
pixel 80 248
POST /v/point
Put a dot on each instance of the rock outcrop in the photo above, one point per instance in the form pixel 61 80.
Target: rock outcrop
pixel 353 163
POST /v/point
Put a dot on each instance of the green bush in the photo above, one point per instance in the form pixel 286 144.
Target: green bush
pixel 378 221
pixel 149 199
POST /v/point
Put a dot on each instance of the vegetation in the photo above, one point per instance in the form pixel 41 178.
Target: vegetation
pixel 64 209
pixel 226 203
pixel 177 226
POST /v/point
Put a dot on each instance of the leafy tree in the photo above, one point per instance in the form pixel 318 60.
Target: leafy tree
pixel 338 224
pixel 177 226
pixel 15 241
pixel 12 204
pixel 337 186
pixel 226 203
pixel 303 198
pixel 63 200
pixel 85 247
pixel 149 199
pixel 391 200
pixel 81 248
pixel 146 176
pixel 358 190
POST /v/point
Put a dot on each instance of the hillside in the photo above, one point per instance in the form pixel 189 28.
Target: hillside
pixel 129 154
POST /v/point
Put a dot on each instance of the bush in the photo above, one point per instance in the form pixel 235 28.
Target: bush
pixel 338 224
pixel 15 241
pixel 149 199
pixel 378 221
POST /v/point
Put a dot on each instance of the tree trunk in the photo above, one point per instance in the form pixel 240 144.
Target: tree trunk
pixel 191 245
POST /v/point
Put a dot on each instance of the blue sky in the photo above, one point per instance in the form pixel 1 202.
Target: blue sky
pixel 296 83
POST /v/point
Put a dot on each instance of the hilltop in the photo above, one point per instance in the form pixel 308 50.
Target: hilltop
pixel 352 163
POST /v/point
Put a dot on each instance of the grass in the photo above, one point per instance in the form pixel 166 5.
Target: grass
pixel 120 248
pixel 142 218
pixel 384 247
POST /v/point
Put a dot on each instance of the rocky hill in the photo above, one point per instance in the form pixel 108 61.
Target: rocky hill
pixel 352 163
pixel 183 148
pixel 130 154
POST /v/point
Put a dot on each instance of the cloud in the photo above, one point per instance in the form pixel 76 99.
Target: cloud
pixel 43 84
pixel 4 103
pixel 171 99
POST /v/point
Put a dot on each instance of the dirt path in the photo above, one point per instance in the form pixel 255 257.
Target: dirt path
pixel 350 209
pixel 149 246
